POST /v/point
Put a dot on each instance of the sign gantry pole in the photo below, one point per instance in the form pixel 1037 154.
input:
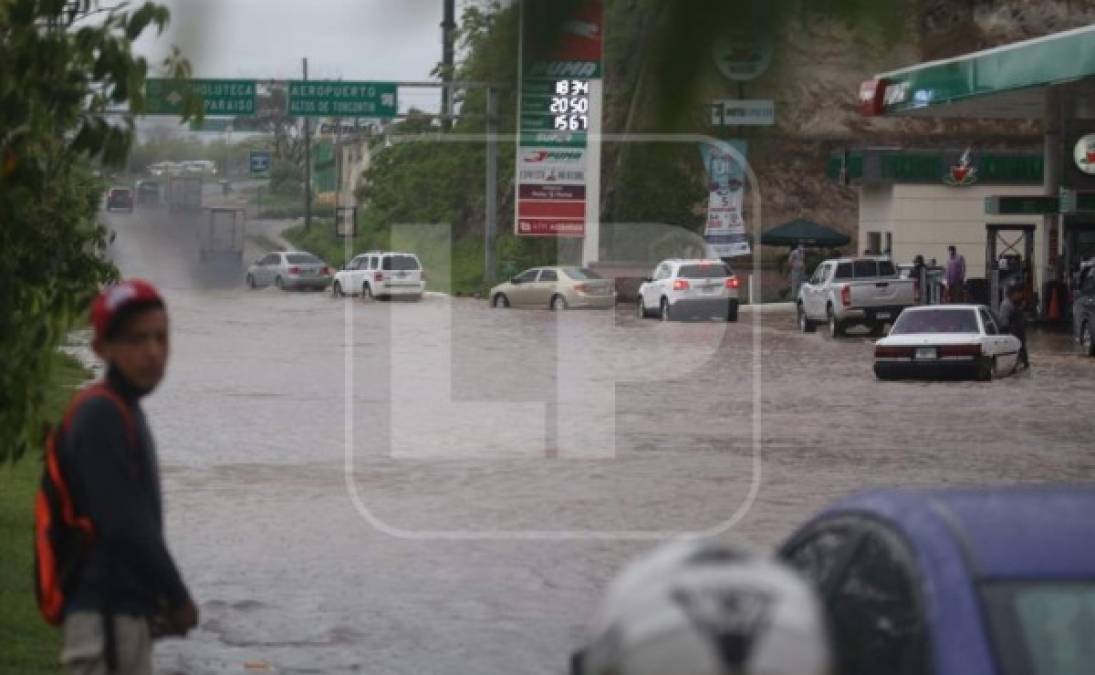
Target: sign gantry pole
pixel 307 160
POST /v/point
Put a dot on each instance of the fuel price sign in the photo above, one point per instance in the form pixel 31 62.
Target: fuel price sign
pixel 570 105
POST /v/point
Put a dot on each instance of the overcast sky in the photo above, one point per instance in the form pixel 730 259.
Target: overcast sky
pixel 343 39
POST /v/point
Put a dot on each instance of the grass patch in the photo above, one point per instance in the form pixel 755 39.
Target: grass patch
pixel 276 206
pixel 27 644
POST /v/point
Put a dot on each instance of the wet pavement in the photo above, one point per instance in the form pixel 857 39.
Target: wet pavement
pixel 440 487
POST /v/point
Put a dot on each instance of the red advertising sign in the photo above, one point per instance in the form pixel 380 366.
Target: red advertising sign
pixel 551 209
pixel 551 227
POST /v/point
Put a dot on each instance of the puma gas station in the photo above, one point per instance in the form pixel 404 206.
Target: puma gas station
pixel 1026 217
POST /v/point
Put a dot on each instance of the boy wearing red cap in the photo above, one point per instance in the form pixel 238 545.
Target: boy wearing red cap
pixel 128 589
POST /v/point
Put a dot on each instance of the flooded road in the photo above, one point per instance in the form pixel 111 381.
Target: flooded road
pixel 441 487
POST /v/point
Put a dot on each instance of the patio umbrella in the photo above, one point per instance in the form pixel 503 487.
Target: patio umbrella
pixel 805 231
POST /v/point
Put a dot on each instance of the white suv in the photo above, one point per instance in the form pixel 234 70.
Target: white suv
pixel 679 288
pixel 381 274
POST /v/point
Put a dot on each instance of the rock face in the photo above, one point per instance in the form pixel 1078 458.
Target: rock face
pixel 950 28
pixel 817 65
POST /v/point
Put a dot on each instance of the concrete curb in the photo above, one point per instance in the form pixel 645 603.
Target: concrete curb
pixel 770 308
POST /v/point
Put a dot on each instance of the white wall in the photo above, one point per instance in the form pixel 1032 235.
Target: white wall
pixel 925 219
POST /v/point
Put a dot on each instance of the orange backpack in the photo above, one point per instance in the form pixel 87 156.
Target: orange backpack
pixel 63 537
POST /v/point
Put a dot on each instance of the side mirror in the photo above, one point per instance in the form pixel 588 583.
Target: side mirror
pixel 515 281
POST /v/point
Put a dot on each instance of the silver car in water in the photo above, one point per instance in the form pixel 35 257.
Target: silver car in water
pixel 289 270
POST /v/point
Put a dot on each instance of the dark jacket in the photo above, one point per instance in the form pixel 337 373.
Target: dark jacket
pixel 117 484
pixel 1012 319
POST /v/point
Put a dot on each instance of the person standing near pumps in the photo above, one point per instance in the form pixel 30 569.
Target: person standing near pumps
pixel 1013 321
pixel 797 262
pixel 956 275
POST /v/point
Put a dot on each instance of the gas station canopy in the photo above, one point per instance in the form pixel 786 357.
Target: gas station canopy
pixel 1005 82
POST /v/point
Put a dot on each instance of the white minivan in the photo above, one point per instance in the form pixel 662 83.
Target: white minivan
pixel 381 274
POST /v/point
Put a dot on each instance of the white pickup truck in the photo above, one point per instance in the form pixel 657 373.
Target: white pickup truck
pixel 847 292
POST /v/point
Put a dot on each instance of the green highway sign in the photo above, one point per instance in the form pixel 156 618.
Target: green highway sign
pixel 219 97
pixel 318 98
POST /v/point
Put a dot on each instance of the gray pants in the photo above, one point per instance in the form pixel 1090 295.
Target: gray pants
pixel 796 283
pixel 84 653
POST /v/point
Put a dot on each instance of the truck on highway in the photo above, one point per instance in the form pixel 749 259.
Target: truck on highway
pixel 221 236
pixel 184 193
pixel 846 292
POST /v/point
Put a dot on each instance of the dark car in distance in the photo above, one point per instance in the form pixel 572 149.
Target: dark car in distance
pixel 119 199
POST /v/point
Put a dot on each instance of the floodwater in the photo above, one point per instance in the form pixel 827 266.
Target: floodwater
pixel 439 487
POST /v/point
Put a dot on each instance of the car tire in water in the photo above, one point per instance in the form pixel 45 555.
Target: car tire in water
pixel 804 323
pixel 666 310
pixel 732 312
pixel 986 369
pixel 251 282
pixel 836 327
pixel 558 303
pixel 499 301
pixel 1087 340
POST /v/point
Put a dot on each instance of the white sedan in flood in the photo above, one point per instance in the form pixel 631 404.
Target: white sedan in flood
pixel 945 341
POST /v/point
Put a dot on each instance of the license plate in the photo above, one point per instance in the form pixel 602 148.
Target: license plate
pixel 882 315
pixel 400 275
pixel 925 353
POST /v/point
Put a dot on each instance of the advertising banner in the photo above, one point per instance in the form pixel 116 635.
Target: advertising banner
pixel 725 231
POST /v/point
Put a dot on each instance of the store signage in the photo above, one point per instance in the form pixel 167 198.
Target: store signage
pixel 1084 154
pixel 963 173
pixel 742 58
pixel 743 113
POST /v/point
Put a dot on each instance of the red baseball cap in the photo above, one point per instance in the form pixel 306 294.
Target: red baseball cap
pixel 118 296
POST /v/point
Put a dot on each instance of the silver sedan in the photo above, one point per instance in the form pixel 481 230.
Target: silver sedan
pixel 289 270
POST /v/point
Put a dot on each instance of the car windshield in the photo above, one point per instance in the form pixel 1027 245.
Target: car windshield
pixel 936 321
pixel 581 273
pixel 303 259
pixel 400 263
pixel 705 271
pixel 1050 626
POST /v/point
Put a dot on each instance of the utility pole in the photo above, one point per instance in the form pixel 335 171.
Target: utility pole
pixel 491 225
pixel 448 36
pixel 307 163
